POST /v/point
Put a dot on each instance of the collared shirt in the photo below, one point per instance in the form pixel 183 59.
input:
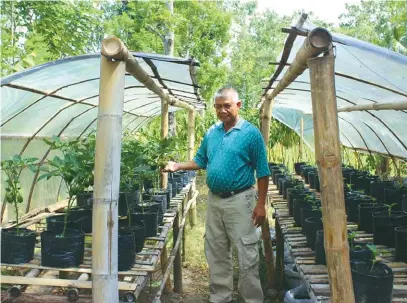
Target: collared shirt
pixel 231 158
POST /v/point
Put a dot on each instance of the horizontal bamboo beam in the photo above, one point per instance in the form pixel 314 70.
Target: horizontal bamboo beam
pixel 114 48
pixel 375 106
pixel 58 282
pixel 318 41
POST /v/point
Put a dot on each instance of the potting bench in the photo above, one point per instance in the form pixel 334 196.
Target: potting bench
pixel 315 277
pixel 131 282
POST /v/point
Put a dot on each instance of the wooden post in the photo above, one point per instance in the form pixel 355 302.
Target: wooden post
pixel 183 253
pixel 265 228
pixel 107 180
pixel 279 256
pixel 328 158
pixel 164 262
pixel 177 260
pixel 191 145
pixel 301 139
pixel 383 167
pixel 164 134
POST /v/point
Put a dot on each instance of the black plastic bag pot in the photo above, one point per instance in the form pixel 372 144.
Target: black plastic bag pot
pixel 150 220
pixel 404 203
pixel 311 179
pixel 364 183
pixel 126 203
pixel 297 167
pixel 274 172
pixel 126 250
pixel 298 205
pixel 384 224
pixel 306 172
pixel 317 185
pixel 400 234
pixel 394 195
pixel 82 199
pixel 311 226
pixel 58 251
pixel 147 184
pixel 85 215
pixel 157 197
pixel 289 184
pixel 377 189
pixel 276 178
pixel 360 252
pixel 17 248
pixel 372 285
pixel 295 194
pixel 57 223
pixel 366 211
pixel 320 256
pixel 308 213
pixel 136 196
pixel 139 230
pixel 352 207
pixel 151 207
pixel 346 172
pixel 169 196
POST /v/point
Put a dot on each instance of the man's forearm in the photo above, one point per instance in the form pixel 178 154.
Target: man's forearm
pixel 262 187
pixel 189 165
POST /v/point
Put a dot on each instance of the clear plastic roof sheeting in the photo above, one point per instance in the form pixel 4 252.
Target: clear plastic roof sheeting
pixel 61 98
pixel 364 74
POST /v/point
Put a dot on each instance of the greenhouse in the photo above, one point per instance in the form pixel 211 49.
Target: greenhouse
pixel 75 148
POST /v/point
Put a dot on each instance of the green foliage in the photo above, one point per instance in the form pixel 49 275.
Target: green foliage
pixel 390 207
pixel 75 167
pixel 13 168
pixel 351 237
pixel 375 253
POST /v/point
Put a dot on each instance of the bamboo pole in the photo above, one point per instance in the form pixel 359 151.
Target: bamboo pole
pixel 107 179
pixel 177 234
pixel 301 140
pixel 164 134
pixel 265 228
pixel 328 158
pixel 374 106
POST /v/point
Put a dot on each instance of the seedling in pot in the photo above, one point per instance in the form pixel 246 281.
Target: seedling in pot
pixel 375 253
pixel 349 186
pixel 390 206
pixel 351 237
pixel 13 169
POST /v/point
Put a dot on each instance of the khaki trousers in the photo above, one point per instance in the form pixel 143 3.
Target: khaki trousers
pixel 229 222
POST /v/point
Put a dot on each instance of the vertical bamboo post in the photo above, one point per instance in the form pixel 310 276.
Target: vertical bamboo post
pixel 265 228
pixel 191 145
pixel 107 179
pixel 177 259
pixel 301 139
pixel 328 158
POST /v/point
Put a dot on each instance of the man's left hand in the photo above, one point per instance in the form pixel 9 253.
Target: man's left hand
pixel 259 215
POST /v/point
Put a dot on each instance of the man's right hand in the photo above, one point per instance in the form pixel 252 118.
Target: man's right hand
pixel 171 167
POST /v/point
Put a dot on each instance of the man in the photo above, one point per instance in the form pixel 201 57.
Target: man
pixel 230 152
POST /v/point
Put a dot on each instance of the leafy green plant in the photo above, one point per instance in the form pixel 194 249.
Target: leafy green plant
pixel 75 167
pixel 13 169
pixel 351 237
pixel 375 253
pixel 390 207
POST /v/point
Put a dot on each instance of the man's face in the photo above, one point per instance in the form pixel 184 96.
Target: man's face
pixel 227 109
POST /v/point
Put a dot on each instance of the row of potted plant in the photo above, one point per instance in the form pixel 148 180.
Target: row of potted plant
pixel 307 213
pixel 141 206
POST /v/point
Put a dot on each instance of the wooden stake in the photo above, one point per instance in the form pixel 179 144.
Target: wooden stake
pixel 107 180
pixel 265 228
pixel 328 158
pixel 177 258
pixel 279 256
pixel 191 147
pixel 164 263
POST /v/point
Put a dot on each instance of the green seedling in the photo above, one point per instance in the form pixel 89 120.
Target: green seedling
pixel 349 186
pixel 375 253
pixel 390 207
pixel 13 169
pixel 351 237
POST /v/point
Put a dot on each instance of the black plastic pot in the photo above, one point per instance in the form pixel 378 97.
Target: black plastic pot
pixel 293 195
pixel 298 205
pixel 126 250
pixel 404 203
pixel 354 178
pixel 150 220
pixel 274 172
pixel 352 207
pixel 57 223
pixel 364 183
pixel 159 197
pixel 85 215
pixel 377 189
pixel 394 195
pixel 306 172
pixel 17 248
pixel 126 200
pixel 303 170
pixel 320 256
pixel 317 185
pixel 58 251
pixel 384 224
pixel 297 167
pixel 139 230
pixel 277 177
pixel 137 196
pixel 82 199
pixel 346 172
pixel 400 234
pixel 309 213
pixel 311 226
pixel 289 184
pixel 372 285
pixel 147 184
pixel 311 179
pixel 366 210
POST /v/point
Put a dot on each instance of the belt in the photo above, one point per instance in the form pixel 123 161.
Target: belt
pixel 229 194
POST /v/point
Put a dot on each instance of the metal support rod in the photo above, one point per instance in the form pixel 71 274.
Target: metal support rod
pixel 113 47
pixel 317 42
pixel 107 179
pixel 328 158
pixel 374 106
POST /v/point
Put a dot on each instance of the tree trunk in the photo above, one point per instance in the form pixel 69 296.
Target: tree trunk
pixel 169 50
